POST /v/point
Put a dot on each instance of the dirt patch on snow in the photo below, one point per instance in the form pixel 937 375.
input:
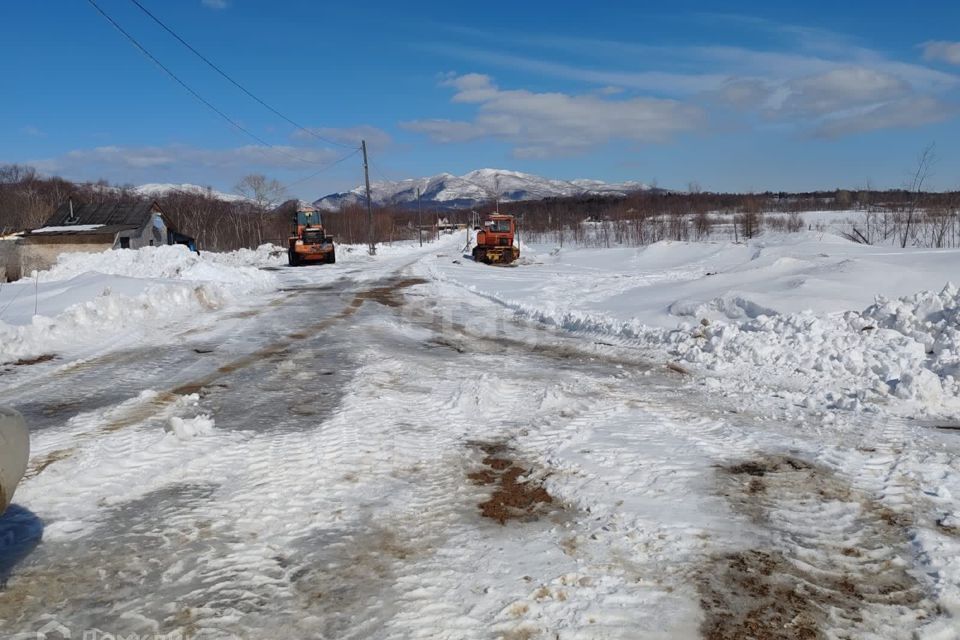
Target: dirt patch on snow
pixel 752 594
pixel 834 564
pixel 391 293
pixel 38 465
pixel 23 362
pixel 516 496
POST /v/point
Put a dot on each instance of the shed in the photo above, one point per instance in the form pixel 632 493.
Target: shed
pixel 91 228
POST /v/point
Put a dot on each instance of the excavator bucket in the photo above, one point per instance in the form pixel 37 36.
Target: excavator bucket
pixel 14 454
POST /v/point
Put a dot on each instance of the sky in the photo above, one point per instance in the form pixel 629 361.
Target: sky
pixel 729 96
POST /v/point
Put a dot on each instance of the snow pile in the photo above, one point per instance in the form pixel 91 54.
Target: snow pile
pixel 266 255
pixel 174 262
pixel 106 317
pixel 908 348
pixel 89 298
pixel 189 428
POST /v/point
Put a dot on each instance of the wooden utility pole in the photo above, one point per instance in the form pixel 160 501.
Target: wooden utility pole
pixel 366 178
pixel 419 218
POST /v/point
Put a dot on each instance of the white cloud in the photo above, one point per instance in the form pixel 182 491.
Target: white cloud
pixel 941 51
pixel 543 124
pixel 654 81
pixel 149 163
pixel 744 93
pixel 842 89
pixel 375 137
pixel 610 90
pixel 913 111
pixel 821 76
pixel 215 4
pixel 32 131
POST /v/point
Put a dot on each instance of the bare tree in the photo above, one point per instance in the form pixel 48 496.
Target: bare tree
pixel 265 194
pixel 925 162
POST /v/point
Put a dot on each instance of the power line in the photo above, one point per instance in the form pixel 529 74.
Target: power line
pixel 190 89
pixel 329 166
pixel 385 178
pixel 232 81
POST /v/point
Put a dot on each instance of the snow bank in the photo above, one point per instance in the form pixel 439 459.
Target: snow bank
pixel 906 349
pixel 175 262
pixel 92 297
pixel 107 317
pixel 774 312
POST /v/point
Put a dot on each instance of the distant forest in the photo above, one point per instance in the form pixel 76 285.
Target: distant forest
pixel 900 216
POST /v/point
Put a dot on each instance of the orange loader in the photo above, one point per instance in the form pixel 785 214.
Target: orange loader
pixel 310 243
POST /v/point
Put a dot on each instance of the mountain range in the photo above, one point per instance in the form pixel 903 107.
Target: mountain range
pixel 443 191
pixel 447 191
pixel 158 190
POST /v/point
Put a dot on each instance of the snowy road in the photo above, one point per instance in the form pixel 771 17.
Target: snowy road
pixel 365 454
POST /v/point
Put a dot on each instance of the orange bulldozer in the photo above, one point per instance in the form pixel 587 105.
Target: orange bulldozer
pixel 495 240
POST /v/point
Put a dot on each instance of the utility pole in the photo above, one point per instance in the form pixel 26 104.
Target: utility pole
pixel 366 178
pixel 419 218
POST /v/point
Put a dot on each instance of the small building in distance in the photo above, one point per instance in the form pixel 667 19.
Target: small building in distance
pixel 90 228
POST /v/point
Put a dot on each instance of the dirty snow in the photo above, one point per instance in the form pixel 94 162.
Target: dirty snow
pixel 301 460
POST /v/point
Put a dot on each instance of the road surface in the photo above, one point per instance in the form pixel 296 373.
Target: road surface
pixel 357 456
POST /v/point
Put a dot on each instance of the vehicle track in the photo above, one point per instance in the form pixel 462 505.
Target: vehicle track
pixel 353 516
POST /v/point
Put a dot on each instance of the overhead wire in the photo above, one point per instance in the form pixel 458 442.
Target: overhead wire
pixel 234 82
pixel 190 89
pixel 329 166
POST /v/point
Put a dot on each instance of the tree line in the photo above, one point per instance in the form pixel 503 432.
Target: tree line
pixel 908 217
pixel 261 214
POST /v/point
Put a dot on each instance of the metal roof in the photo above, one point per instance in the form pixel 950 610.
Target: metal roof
pixel 135 214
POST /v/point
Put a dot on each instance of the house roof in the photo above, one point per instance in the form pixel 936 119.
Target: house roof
pixel 135 214
pixel 81 230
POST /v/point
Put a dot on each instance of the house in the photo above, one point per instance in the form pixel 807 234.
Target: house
pixel 91 228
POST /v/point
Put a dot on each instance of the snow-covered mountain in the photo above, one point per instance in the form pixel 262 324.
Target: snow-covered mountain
pixel 460 192
pixel 159 190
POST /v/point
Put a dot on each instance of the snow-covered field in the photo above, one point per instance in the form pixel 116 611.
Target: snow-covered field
pixel 411 445
pixel 831 323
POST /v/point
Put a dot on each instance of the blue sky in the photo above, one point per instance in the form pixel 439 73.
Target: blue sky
pixel 733 96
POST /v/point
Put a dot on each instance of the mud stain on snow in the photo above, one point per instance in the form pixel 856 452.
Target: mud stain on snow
pixel 39 464
pixel 22 362
pixel 835 565
pixel 390 294
pixel 345 577
pixel 511 498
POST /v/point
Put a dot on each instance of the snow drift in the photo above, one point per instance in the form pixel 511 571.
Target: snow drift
pixel 907 348
pixel 806 314
pixel 92 297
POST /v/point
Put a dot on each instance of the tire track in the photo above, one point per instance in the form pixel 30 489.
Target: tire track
pixel 833 563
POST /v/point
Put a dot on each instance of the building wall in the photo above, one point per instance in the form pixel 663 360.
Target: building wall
pixel 38 257
pixel 19 258
pixel 9 260
pixel 153 234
